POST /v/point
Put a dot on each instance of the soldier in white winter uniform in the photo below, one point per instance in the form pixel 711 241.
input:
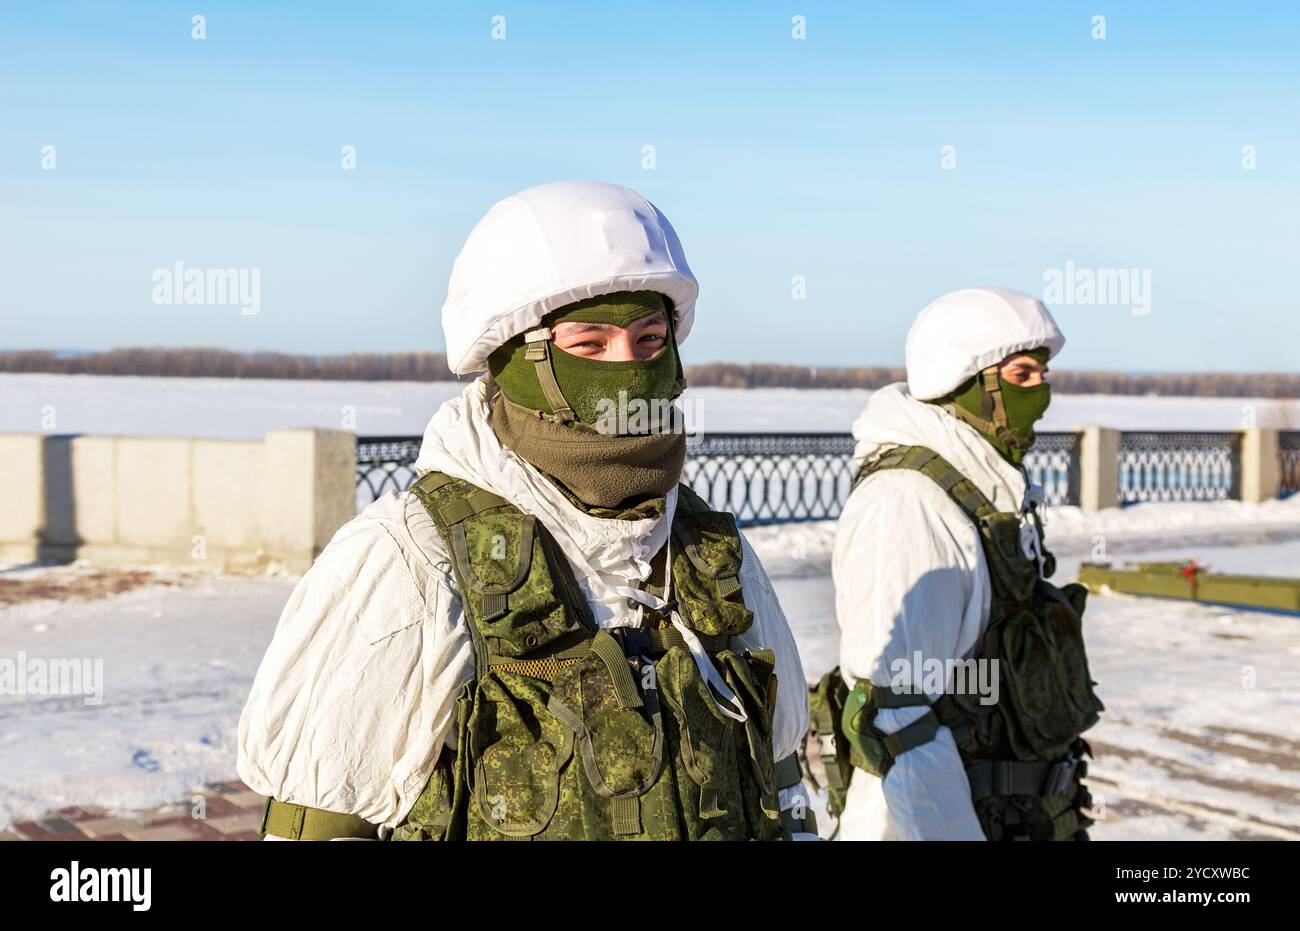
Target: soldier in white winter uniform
pixel 377 669
pixel 912 580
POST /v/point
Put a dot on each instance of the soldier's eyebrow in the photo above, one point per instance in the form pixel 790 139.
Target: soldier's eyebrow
pixel 655 319
pixel 587 327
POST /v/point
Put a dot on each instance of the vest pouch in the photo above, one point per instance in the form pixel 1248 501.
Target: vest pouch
pixel 1028 817
pixel 429 817
pixel 433 816
pixel 708 765
pixel 1062 609
pixel 1014 574
pixel 517 750
pixel 753 678
pixel 979 730
pixel 1045 675
pixel 825 755
pixel 707 555
pixel 501 557
pixel 618 726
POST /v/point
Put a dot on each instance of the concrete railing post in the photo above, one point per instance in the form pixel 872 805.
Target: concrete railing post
pixel 22 505
pixel 1099 468
pixel 1261 470
pixel 309 491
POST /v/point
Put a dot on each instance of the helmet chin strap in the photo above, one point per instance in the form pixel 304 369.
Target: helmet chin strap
pixel 993 411
pixel 539 351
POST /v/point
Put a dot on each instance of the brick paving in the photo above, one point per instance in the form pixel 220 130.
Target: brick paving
pixel 231 811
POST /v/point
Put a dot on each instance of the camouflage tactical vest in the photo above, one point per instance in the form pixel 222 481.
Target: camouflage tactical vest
pixel 571 732
pixel 1023 754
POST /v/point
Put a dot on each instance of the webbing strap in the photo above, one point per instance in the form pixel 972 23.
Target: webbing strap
pixel 611 654
pixel 454 511
pixel 787 772
pixel 888 698
pixel 663 638
pixel 960 489
pixel 539 352
pixel 480 499
pixel 920 731
pixel 298 822
pixel 992 405
pixel 626 812
pixel 432 481
pixel 992 418
pixel 576 649
pixel 1020 777
pixel 476 501
pixel 728 586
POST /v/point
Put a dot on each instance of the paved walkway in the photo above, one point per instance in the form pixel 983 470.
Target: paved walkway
pixel 231 811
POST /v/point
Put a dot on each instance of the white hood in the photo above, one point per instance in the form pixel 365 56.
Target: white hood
pixel 549 246
pixel 894 418
pixel 460 442
pixel 966 331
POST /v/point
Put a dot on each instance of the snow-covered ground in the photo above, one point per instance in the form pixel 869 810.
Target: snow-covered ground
pixel 1201 738
pixel 222 407
pixel 177 662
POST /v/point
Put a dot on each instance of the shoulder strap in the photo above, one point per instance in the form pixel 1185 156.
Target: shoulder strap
pixel 958 487
pixel 447 510
pixel 689 500
pixel 451 502
pixel 455 505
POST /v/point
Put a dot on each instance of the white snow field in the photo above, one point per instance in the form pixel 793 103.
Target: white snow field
pixel 1201 738
pixel 221 407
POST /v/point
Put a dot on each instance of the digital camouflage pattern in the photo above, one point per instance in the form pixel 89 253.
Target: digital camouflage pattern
pixel 1023 754
pixel 569 732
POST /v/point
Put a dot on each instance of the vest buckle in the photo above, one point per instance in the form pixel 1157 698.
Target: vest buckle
pixel 634 640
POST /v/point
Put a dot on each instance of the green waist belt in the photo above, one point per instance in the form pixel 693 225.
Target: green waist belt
pixel 298 822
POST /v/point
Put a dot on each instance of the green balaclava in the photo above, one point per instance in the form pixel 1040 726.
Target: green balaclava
pixel 519 367
pixel 559 411
pixel 1003 412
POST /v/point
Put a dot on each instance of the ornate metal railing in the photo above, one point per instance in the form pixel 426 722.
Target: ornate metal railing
pixel 1182 466
pixel 1053 462
pixel 384 463
pixel 760 477
pixel 1288 455
pixel 766 478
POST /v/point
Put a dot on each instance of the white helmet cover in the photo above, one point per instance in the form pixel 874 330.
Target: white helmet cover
pixel 549 246
pixel 965 332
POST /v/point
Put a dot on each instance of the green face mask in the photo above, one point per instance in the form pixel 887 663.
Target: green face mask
pixel 1022 408
pixel 591 387
pixel 562 412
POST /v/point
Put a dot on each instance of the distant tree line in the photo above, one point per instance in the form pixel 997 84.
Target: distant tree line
pixel 1067 381
pixel 432 366
pixel 223 363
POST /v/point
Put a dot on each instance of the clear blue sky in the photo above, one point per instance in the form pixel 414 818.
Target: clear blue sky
pixel 774 158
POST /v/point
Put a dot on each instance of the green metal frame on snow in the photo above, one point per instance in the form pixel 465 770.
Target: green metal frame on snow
pixel 1194 582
